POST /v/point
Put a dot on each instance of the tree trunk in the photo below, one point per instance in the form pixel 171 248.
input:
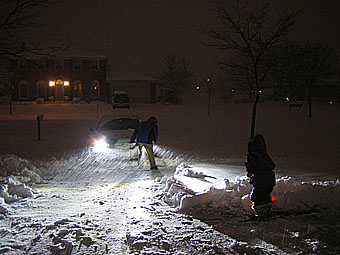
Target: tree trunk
pixel 253 117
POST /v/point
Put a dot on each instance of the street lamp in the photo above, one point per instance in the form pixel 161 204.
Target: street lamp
pixel 209 91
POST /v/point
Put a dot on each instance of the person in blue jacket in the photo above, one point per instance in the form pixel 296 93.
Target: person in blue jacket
pixel 147 134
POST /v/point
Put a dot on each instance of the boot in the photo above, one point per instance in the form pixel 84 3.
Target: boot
pixel 260 212
pixel 268 210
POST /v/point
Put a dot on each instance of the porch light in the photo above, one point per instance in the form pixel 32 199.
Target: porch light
pixel 66 83
pixel 197 87
pixel 51 83
pixel 287 99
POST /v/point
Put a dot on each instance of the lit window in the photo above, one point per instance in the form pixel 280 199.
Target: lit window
pixel 59 64
pixel 76 65
pixel 94 65
pixel 77 87
pixel 59 82
pixel 95 89
pixel 51 83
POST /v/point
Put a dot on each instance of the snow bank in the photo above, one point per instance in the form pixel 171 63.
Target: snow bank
pixel 299 195
pixel 15 173
pixel 11 190
pixel 289 194
pixel 23 170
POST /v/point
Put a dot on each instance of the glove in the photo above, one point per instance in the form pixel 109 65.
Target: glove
pixel 252 179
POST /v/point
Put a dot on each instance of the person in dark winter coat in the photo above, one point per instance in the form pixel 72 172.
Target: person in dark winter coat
pixel 147 134
pixel 260 168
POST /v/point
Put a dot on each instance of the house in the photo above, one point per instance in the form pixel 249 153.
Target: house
pixel 141 88
pixel 69 75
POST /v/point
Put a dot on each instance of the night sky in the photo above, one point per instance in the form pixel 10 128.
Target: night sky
pixel 134 34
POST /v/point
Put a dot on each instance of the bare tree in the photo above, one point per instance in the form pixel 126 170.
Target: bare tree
pixel 239 73
pixel 174 74
pixel 281 74
pixel 298 68
pixel 316 61
pixel 249 30
pixel 16 18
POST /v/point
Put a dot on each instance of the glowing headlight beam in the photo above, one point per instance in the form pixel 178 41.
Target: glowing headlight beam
pixel 100 144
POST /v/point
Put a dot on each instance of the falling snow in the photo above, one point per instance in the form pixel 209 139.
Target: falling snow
pixel 58 196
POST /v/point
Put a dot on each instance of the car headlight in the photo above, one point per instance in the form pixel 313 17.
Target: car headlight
pixel 100 144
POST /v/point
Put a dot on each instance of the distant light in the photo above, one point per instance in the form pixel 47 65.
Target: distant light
pixel 51 83
pixel 331 102
pixel 260 91
pixel 197 87
pixel 233 90
pixel 287 99
pixel 208 80
pixel 66 83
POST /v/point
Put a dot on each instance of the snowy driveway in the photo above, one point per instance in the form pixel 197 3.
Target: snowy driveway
pixel 119 214
pixel 103 204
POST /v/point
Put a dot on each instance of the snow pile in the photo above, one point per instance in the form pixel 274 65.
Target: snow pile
pixel 299 195
pixel 189 188
pixel 15 173
pixel 12 190
pixel 22 169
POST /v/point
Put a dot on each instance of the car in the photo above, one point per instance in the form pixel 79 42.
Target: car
pixel 115 131
pixel 120 99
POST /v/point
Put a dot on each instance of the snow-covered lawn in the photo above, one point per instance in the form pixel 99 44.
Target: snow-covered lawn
pixel 201 159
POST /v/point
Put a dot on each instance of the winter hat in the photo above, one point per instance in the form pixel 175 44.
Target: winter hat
pixel 258 143
pixel 152 120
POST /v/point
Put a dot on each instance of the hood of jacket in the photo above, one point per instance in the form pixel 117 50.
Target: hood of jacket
pixel 257 144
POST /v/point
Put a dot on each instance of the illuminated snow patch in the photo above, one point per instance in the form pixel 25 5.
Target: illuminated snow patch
pixel 137 199
pixel 193 186
pixel 196 180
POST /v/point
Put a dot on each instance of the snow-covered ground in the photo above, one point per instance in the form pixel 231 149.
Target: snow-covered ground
pixel 58 195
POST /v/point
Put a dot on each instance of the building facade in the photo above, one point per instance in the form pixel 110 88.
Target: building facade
pixel 60 78
pixel 141 88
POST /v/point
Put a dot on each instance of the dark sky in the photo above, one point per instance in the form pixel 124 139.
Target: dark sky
pixel 134 34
